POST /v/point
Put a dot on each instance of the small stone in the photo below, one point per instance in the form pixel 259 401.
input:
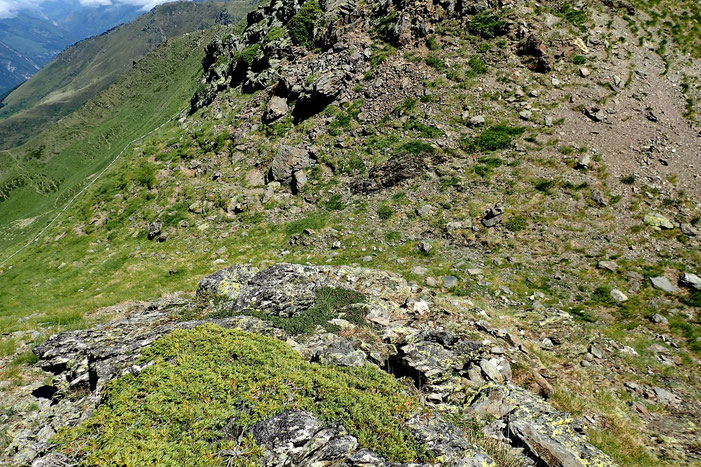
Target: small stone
pixel 618 296
pixel 548 121
pixel 425 210
pixel 431 281
pixel 663 284
pixel 491 371
pixel 607 265
pixel 474 271
pixel 596 352
pixel 276 108
pixel 658 319
pixel 690 280
pixel 450 281
pixel 367 259
pixel 525 115
pixel 419 270
pixel 658 221
pixel 584 72
pixel 255 178
pixel 425 246
pixel 477 120
pixel 584 162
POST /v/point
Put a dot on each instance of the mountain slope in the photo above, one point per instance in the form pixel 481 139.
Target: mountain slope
pixel 527 174
pixel 91 65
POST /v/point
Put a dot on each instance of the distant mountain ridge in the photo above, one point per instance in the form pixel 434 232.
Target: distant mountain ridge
pixel 89 66
pixel 32 38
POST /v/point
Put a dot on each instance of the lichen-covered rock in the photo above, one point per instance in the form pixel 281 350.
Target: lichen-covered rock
pixel 448 443
pixel 550 436
pixel 298 438
pixel 288 289
pixel 330 348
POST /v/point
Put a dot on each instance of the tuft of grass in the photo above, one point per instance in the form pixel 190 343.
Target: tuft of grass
pixel 385 211
pixel 628 179
pixel 493 138
pixel 315 222
pixel 329 303
pixel 416 147
pixel 516 223
pixel 234 380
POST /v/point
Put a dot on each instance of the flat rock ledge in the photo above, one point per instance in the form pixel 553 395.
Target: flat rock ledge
pixel 454 374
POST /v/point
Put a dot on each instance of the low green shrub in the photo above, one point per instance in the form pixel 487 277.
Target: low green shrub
pixel 207 385
pixel 301 26
pixel 487 25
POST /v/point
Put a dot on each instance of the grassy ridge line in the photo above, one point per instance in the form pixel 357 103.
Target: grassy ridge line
pixel 94 179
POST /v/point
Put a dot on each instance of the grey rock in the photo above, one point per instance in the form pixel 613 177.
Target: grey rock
pixel 154 229
pixel 618 296
pixel 450 281
pixel 275 108
pixel 663 284
pixel 666 397
pixel 607 265
pixel 288 160
pixel 299 180
pixel 525 115
pixel 658 319
pixel 425 246
pixel 598 197
pixel 546 433
pixel 425 210
pixel 690 280
pixel 596 351
pixel 330 348
pixel 492 216
pixel 658 221
pixel 490 370
pixel 584 162
pixel 595 113
pixel 477 120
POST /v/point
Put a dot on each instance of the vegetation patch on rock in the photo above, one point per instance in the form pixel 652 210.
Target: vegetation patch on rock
pixel 205 387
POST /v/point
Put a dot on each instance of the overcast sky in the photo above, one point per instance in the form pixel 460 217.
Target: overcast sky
pixel 9 8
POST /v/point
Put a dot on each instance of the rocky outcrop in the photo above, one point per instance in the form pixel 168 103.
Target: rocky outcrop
pixel 451 371
pixel 298 438
pixel 313 52
pixel 523 419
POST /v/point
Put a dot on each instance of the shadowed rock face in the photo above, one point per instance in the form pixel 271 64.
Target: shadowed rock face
pixel 452 372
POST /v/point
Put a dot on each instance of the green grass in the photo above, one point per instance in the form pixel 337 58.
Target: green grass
pixel 487 25
pixel 234 380
pixel 301 26
pixel 385 211
pixel 493 139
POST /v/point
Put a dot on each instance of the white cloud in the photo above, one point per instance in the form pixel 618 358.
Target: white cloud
pixel 9 8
